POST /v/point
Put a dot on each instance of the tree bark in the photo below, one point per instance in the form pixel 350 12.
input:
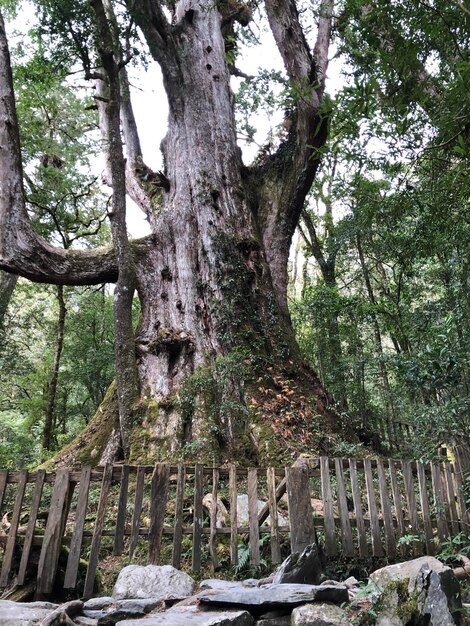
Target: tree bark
pixel 48 431
pixel 7 286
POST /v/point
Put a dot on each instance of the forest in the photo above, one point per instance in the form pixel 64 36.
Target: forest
pixel 305 276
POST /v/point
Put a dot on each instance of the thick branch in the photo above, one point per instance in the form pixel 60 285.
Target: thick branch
pixel 322 44
pixel 150 18
pixel 22 251
pixel 285 179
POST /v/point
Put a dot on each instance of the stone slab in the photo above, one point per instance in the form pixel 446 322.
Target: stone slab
pixel 285 595
pixel 24 613
pixel 192 616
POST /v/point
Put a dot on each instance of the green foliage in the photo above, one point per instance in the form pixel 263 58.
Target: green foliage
pixel 25 360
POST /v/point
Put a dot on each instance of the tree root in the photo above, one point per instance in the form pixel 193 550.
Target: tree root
pixel 62 615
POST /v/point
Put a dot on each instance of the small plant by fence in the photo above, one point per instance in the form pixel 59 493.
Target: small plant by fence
pixel 198 514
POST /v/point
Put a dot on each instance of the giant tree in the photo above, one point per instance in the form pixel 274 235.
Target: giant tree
pixel 214 354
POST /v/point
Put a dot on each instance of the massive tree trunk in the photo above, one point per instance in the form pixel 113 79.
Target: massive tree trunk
pixel 218 365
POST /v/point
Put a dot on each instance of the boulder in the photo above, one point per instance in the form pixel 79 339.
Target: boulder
pixel 321 614
pixel 408 570
pixel 24 613
pixel 422 590
pixel 159 582
pixel 192 616
pixel 304 568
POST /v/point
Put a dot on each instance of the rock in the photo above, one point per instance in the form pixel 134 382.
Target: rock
pixel 442 604
pixel 423 590
pixel 191 616
pixel 242 511
pixel 216 583
pixel 319 615
pixel 95 604
pixel 159 582
pixel 85 621
pixel 286 596
pixel 351 582
pixel 406 571
pixel 122 609
pixel 274 621
pixel 24 613
pixel 304 568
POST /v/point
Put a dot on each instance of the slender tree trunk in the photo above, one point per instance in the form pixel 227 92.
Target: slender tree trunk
pixel 7 286
pixel 377 333
pixel 48 431
pixel 125 358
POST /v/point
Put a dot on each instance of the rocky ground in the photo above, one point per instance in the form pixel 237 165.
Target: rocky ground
pixel 418 592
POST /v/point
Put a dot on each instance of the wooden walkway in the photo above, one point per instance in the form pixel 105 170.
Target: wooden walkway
pixel 166 514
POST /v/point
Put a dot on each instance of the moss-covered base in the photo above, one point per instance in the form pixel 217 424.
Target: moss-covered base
pixel 87 448
pixel 230 411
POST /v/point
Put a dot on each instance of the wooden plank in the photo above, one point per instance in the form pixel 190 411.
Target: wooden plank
pixel 197 517
pixel 178 526
pixel 302 529
pixel 346 534
pixel 464 515
pixel 273 516
pixel 28 539
pixel 213 519
pixel 442 528
pixel 264 511
pixel 377 548
pixel 53 534
pixel 158 500
pixel 14 523
pixel 3 486
pixel 390 541
pixel 97 532
pixel 73 560
pixel 396 498
pixel 122 509
pixel 138 500
pixel 329 521
pixel 412 505
pixel 425 510
pixel 232 485
pixel 356 494
pixel 253 516
pixel 449 484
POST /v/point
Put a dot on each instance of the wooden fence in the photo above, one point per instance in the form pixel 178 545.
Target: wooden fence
pixel 194 514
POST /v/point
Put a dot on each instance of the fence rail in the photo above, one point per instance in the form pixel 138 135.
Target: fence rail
pixel 203 514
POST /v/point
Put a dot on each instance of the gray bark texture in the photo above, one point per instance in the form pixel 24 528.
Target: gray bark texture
pixel 212 276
